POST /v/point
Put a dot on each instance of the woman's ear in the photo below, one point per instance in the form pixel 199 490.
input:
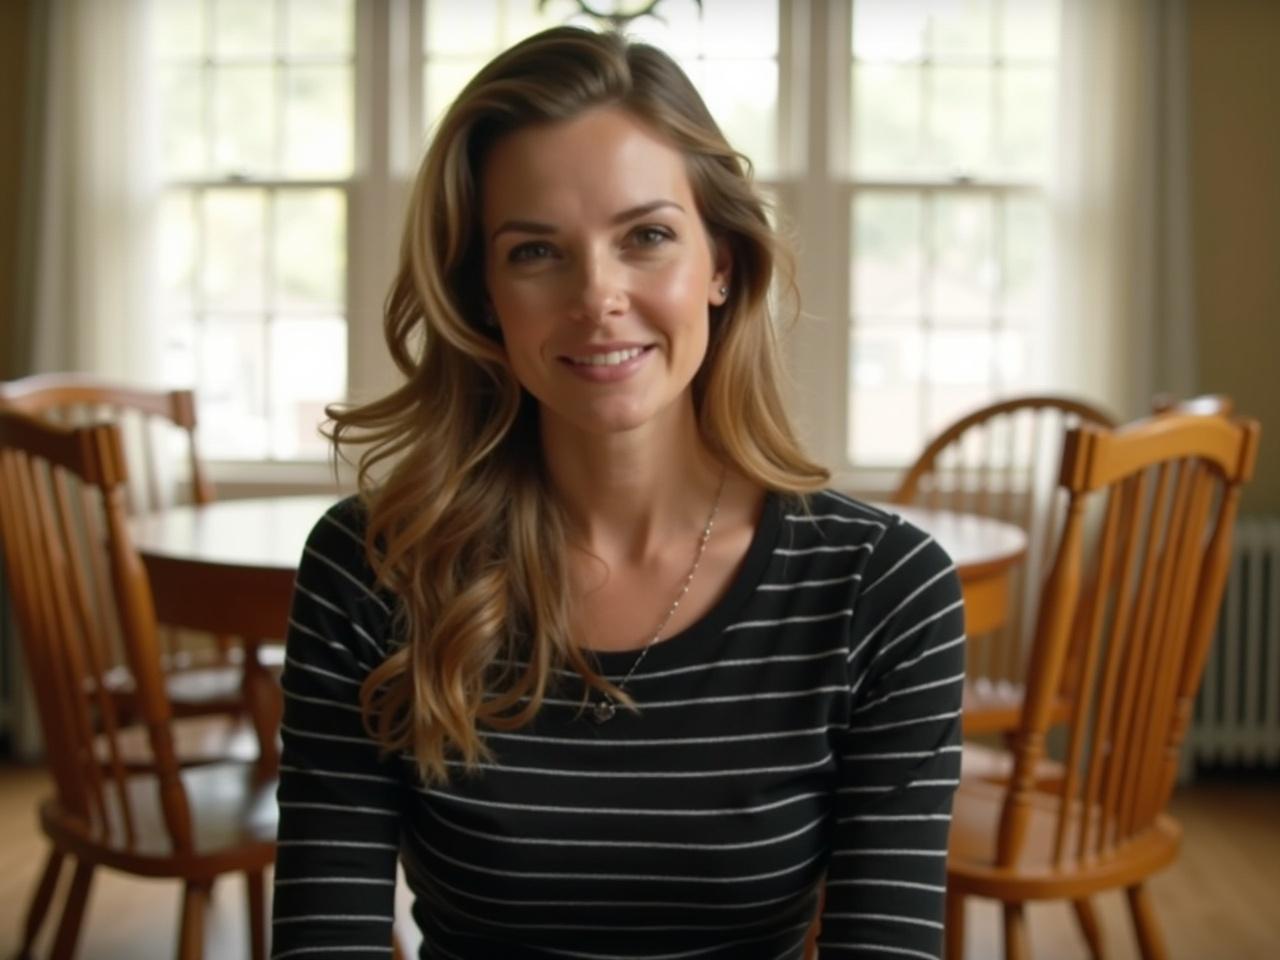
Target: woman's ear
pixel 722 274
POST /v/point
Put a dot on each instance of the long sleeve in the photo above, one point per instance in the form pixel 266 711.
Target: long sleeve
pixel 340 803
pixel 899 755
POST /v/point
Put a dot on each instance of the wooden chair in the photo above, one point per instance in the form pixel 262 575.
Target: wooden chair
pixel 62 497
pixel 1124 626
pixel 999 461
pixel 200 684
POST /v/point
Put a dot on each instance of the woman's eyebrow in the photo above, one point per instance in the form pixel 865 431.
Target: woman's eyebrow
pixel 545 229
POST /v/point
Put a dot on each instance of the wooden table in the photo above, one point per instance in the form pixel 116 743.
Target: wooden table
pixel 228 568
pixel 985 551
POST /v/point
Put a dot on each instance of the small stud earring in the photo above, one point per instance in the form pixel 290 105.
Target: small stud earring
pixel 724 291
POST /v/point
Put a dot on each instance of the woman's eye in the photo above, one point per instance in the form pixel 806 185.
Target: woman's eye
pixel 652 236
pixel 529 251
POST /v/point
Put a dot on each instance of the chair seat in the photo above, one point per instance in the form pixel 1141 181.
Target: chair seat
pixel 978 762
pixel 996 706
pixel 975 828
pixel 233 823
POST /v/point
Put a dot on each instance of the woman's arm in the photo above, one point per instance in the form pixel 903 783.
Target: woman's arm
pixel 899 755
pixel 339 802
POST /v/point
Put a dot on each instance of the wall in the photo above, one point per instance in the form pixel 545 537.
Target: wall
pixel 1234 100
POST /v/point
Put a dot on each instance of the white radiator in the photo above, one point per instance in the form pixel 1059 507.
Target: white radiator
pixel 1237 716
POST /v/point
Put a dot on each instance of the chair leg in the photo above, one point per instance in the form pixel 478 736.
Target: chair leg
pixel 64 946
pixel 954 926
pixel 1150 942
pixel 195 898
pixel 1089 926
pixel 1016 946
pixel 256 889
pixel 40 902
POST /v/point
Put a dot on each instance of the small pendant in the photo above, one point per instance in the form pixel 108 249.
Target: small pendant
pixel 603 711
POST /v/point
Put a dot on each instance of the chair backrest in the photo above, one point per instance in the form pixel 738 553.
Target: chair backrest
pixel 1126 621
pixel 62 504
pixel 148 419
pixel 1000 461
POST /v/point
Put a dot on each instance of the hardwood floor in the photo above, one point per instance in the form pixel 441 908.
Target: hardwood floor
pixel 1220 900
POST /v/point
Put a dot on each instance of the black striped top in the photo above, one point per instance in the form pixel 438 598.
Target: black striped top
pixel 807 726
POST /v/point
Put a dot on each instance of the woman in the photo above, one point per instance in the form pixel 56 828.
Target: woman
pixel 592 653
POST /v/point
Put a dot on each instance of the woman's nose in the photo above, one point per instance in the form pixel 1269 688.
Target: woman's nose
pixel 599 289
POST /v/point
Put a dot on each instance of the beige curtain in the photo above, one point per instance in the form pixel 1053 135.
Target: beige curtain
pixel 1122 322
pixel 87 301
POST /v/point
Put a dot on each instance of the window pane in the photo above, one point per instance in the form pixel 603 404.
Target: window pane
pixel 311 254
pixel 244 28
pixel 888 263
pixel 178 357
pixel 319 28
pixel 963 283
pixel 743 97
pixel 233 422
pixel 456 29
pixel 889 30
pixel 308 370
pixel 1026 256
pixel 182 131
pixel 442 80
pixel 959 375
pixel 1026 121
pixel 959 120
pixel 177 253
pixel 885 402
pixel 960 29
pixel 244 101
pixel 234 227
pixel 886 120
pixel 1029 29
pixel 179 28
pixel 318 122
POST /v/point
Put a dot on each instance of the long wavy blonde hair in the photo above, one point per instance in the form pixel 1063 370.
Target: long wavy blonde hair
pixel 463 527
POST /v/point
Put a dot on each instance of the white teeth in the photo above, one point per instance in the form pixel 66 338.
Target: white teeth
pixel 610 359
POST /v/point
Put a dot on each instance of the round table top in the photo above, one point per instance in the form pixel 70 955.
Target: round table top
pixel 266 533
pixel 974 542
pixel 269 533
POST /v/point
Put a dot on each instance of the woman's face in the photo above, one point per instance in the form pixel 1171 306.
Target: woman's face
pixel 599 269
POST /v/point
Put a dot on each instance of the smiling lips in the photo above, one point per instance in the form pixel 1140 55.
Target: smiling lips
pixel 605 366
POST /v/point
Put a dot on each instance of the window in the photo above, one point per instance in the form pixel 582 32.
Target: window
pixel 905 142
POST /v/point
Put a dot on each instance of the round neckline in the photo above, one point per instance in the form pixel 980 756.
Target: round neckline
pixel 743 585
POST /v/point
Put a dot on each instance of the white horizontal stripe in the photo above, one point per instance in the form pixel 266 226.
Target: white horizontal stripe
pixel 894 694
pixel 707 667
pixel 642 774
pixel 363 845
pixel 339 807
pixel 904 755
pixel 803 551
pixel 665 741
pixel 910 722
pixel 888 852
pixel 373 948
pixel 340 774
pixel 835 517
pixel 311 551
pixel 696 701
pixel 672 956
pixel 302 628
pixel 811 618
pixel 371 881
pixel 624 877
pixel 355 625
pixel 619 811
pixel 294 731
pixel 323 701
pixel 622 844
pixel 894 818
pixel 905 602
pixel 909 632
pixel 906 786
pixel 891 917
pixel 914 661
pixel 850 502
pixel 328 517
pixel 799 584
pixel 869 882
pixel 298 665
pixel 897 566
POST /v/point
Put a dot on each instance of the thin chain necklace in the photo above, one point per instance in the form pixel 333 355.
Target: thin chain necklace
pixel 603 710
